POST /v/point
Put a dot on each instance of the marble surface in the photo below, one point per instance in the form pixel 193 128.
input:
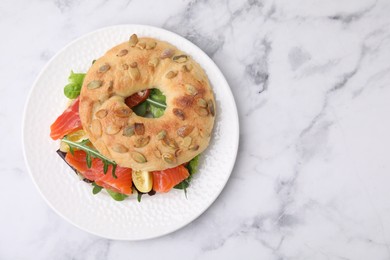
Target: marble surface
pixel 311 81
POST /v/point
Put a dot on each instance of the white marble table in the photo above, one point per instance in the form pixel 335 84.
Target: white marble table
pixel 311 81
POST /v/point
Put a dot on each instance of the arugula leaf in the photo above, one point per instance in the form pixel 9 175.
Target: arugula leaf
pixel 140 109
pixel 116 195
pixel 139 196
pixel 96 188
pixel 156 111
pixel 192 166
pixel 157 95
pixel 113 171
pixel 156 103
pixel 72 90
pixel 89 160
pixel 105 167
pixel 154 106
pixel 157 99
pixel 183 185
pixel 91 152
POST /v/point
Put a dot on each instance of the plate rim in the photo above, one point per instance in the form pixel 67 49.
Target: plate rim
pixel 47 65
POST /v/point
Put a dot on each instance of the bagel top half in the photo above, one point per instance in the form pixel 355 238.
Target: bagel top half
pixel 142 143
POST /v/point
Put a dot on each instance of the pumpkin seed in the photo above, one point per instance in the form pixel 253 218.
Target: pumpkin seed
pixel 171 74
pixel 190 90
pixel 96 128
pixel 133 40
pixel 210 106
pixel 104 68
pixel 102 113
pixel 157 152
pixel 161 135
pixel 201 111
pixel 178 152
pixel 150 45
pixel 122 53
pixel 169 142
pixel 187 141
pixel 141 142
pixel 139 128
pixel 167 53
pixel 201 133
pixel 198 75
pixel 134 74
pixel 194 147
pixel 123 112
pixel 179 113
pixel 184 130
pixel 133 64
pixel 119 148
pixel 180 58
pixel 110 85
pixel 138 157
pixel 95 84
pixel 153 62
pixel 201 102
pixel 187 67
pixel 168 158
pixel 112 129
pixel 141 45
pixel 128 131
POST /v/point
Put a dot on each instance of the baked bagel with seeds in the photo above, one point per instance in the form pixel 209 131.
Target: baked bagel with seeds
pixel 141 143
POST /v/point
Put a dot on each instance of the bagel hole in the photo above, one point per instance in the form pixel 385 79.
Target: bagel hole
pixel 150 103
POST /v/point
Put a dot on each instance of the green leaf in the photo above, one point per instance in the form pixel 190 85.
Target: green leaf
pixel 76 78
pixel 155 103
pixel 140 109
pixel 89 160
pixel 105 167
pixel 192 168
pixel 113 171
pixel 71 150
pixel 96 188
pixel 193 165
pixel 139 196
pixel 183 185
pixel 72 90
pixel 157 95
pixel 156 111
pixel 91 152
pixel 116 195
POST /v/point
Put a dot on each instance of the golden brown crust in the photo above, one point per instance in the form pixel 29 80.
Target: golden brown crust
pixel 147 143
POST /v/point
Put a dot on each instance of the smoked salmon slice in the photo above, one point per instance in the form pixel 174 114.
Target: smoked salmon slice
pixel 165 180
pixel 121 184
pixel 66 123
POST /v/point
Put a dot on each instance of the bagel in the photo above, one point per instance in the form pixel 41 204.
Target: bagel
pixel 142 143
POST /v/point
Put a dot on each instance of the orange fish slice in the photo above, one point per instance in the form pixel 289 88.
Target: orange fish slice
pixel 164 181
pixel 66 123
pixel 121 184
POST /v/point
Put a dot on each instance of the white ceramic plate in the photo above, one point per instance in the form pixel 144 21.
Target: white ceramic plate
pixel 99 214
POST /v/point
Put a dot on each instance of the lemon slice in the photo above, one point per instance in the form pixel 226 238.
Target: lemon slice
pixel 143 180
pixel 76 136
